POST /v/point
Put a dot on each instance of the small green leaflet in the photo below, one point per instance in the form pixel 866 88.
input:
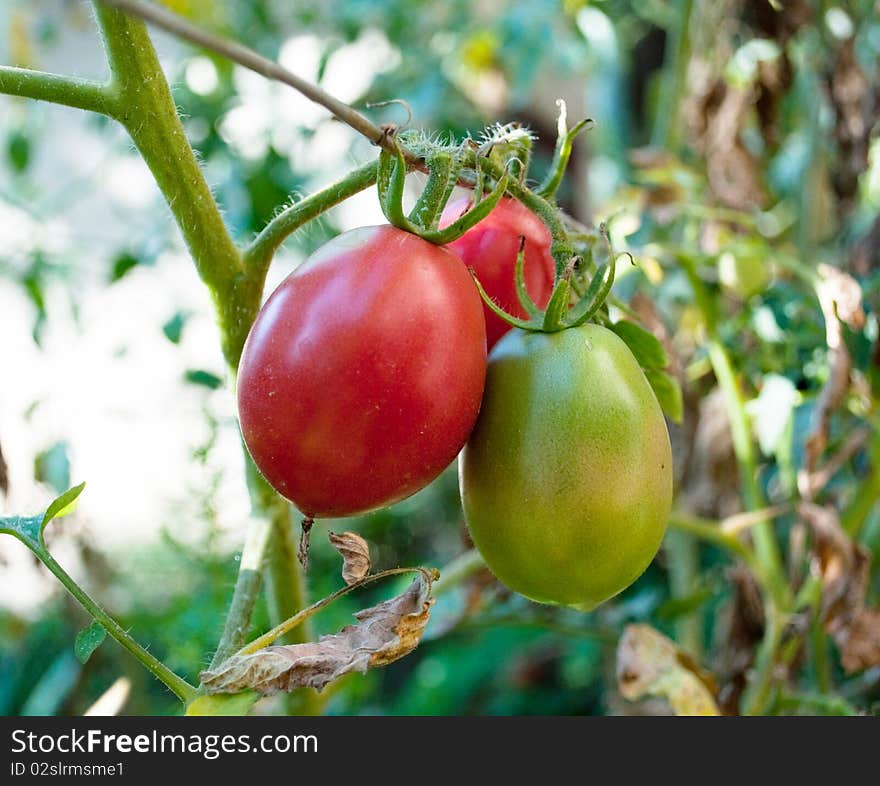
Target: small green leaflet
pixel 653 359
pixel 203 378
pixel 174 327
pixel 88 640
pixel 64 504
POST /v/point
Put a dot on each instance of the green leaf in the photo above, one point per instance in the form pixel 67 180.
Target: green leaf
pixel 668 393
pixel 204 378
pixel 52 467
pixel 173 328
pixel 29 529
pixel 223 704
pixel 88 640
pixel 122 264
pixel 63 505
pixel 644 345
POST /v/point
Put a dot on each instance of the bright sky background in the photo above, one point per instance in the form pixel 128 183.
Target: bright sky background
pixel 112 385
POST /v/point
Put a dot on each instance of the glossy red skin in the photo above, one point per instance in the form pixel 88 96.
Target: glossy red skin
pixel 363 373
pixel 490 249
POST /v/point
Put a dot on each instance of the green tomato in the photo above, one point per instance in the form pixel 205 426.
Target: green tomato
pixel 566 480
pixel 743 275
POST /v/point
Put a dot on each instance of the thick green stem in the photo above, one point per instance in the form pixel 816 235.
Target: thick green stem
pixel 66 90
pixel 145 107
pixel 182 689
pixel 246 592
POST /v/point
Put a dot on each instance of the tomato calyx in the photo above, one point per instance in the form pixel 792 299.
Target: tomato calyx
pixel 493 165
pixel 561 313
pixel 444 168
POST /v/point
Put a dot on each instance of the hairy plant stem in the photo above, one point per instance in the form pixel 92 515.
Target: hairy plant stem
pixel 181 688
pixel 57 89
pixel 232 50
pixel 259 253
pixel 145 107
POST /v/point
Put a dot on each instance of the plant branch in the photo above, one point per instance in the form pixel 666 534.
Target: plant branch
pixel 711 532
pixel 147 111
pixel 237 53
pixel 259 253
pixel 57 89
pixel 181 688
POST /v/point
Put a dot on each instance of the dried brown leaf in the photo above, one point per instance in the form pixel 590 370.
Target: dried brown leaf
pixel 840 298
pixel 839 293
pixel 843 566
pixel 355 555
pixel 384 633
pixel 861 649
pixel 649 664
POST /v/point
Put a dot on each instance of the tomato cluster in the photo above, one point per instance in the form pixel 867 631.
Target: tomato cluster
pixel 365 374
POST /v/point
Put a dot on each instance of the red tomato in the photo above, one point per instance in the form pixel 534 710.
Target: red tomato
pixel 363 374
pixel 490 249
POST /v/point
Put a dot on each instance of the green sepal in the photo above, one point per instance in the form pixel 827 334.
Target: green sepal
pixel 500 312
pixel 557 307
pixel 429 206
pixel 525 299
pixel 392 181
pixel 591 301
pixel 564 142
pixel 470 219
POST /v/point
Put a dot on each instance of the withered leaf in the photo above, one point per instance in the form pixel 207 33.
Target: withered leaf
pixel 649 664
pixel 383 634
pixel 840 298
pixel 355 555
pixel 843 566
